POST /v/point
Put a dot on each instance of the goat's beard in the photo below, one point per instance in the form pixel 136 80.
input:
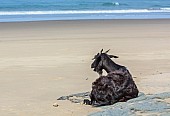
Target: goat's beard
pixel 100 72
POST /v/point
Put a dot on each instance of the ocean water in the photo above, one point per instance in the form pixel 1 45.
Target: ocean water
pixel 35 10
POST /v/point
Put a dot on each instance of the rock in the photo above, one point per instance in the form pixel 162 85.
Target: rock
pixel 76 98
pixel 80 94
pixel 55 105
pixel 144 104
pixel 63 98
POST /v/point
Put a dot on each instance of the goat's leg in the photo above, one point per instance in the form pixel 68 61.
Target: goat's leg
pixel 87 102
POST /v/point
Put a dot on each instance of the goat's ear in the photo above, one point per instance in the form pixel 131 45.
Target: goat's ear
pixel 101 51
pixel 107 51
pixel 112 56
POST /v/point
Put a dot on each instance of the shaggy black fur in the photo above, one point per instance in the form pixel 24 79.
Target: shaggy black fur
pixel 117 86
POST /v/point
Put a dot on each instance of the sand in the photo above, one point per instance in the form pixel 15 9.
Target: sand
pixel 41 61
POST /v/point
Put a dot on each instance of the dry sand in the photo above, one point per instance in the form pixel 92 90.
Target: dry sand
pixel 41 61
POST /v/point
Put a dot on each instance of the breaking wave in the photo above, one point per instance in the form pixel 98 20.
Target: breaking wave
pixel 111 4
pixel 83 12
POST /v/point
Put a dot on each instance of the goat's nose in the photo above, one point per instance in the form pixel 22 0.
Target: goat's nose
pixel 92 66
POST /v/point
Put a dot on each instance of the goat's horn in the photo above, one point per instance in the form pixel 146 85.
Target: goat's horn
pixel 95 56
pixel 101 51
pixel 107 50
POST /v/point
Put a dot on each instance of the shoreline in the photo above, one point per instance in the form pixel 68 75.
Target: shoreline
pixel 77 16
pixel 69 20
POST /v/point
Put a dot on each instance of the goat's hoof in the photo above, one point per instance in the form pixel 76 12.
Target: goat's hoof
pixel 87 102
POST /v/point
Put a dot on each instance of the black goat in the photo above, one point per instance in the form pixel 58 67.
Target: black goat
pixel 117 86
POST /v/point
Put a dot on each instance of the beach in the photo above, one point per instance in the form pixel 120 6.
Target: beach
pixel 43 60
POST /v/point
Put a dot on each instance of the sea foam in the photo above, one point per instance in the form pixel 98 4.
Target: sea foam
pixel 84 12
